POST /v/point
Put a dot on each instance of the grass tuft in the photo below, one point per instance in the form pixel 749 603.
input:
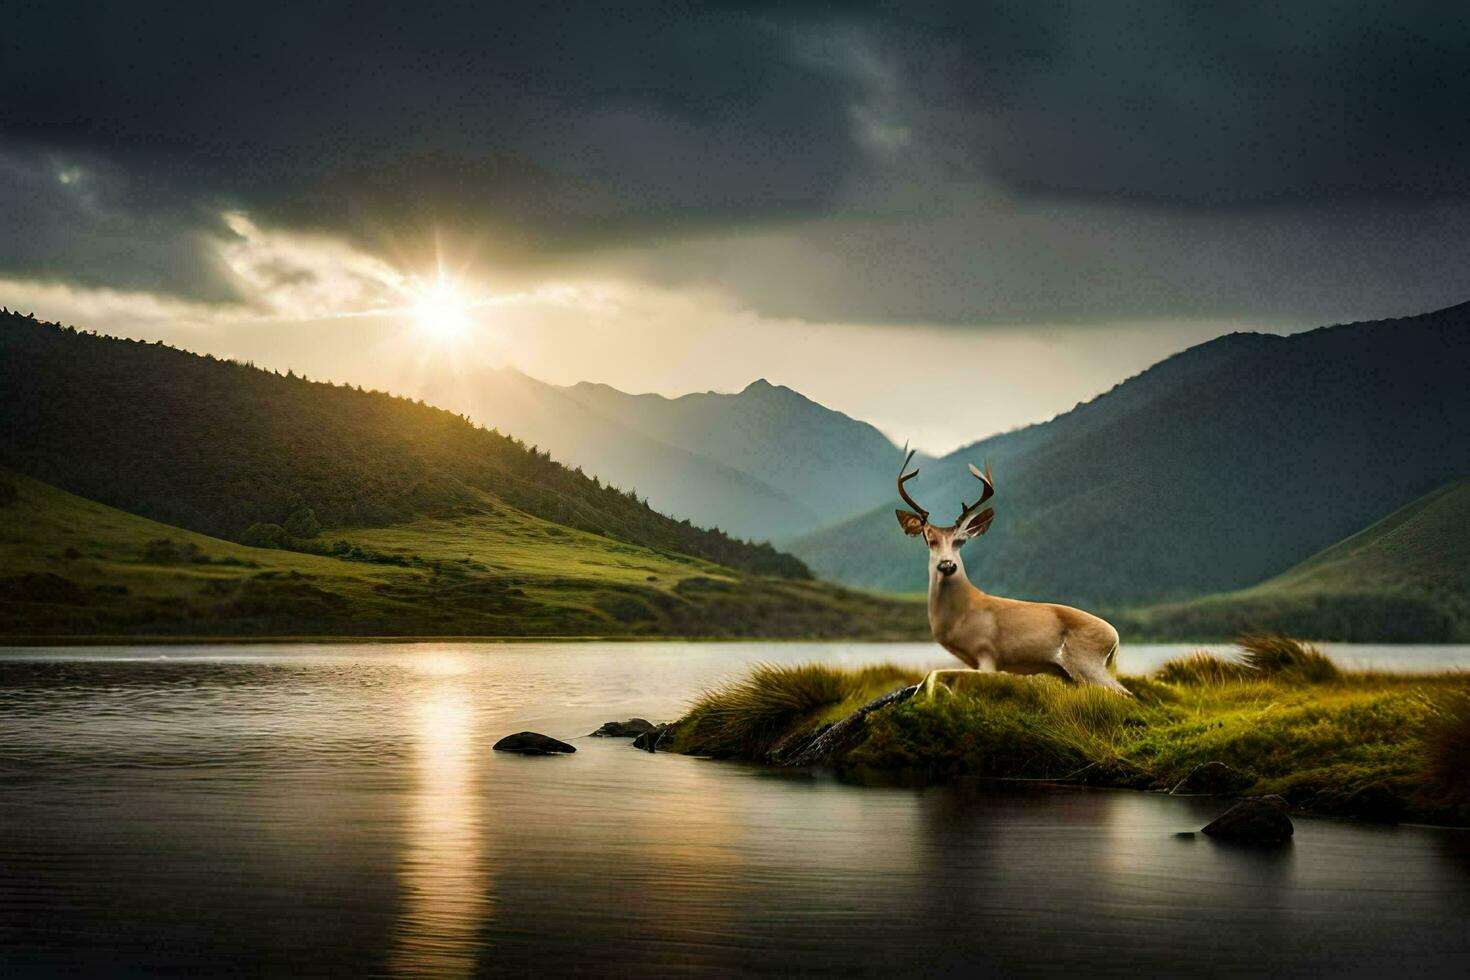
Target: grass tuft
pixel 1201 668
pixel 746 717
pixel 1278 655
pixel 1447 756
pixel 1004 726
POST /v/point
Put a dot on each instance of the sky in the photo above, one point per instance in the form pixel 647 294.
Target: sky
pixel 949 219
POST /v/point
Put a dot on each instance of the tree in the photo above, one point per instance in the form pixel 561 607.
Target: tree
pixel 303 524
pixel 262 536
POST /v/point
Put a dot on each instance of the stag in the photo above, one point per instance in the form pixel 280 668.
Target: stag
pixel 989 633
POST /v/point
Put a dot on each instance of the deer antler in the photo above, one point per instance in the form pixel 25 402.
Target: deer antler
pixel 923 514
pixel 985 494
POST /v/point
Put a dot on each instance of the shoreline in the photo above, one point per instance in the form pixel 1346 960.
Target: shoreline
pixel 1282 721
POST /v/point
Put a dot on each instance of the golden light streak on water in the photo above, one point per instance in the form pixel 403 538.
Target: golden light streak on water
pixel 444 878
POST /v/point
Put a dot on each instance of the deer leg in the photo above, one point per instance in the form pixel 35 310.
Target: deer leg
pixel 1089 668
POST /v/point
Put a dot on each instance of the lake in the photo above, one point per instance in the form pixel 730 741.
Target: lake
pixel 303 809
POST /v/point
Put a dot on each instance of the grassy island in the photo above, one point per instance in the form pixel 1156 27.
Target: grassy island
pixel 1280 719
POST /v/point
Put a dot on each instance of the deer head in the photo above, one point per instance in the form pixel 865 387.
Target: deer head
pixel 945 542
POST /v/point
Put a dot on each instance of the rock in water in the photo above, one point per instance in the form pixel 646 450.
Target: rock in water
pixel 532 743
pixel 649 739
pixel 631 728
pixel 1259 821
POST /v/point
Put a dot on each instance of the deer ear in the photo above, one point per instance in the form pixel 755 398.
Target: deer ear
pixel 980 523
pixel 911 523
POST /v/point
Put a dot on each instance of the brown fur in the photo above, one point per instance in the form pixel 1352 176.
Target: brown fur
pixel 989 633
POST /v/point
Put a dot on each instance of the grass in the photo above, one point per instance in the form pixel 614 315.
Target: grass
pixel 747 717
pixel 1405 578
pixel 74 567
pixel 1200 668
pixel 1275 655
pixel 1282 717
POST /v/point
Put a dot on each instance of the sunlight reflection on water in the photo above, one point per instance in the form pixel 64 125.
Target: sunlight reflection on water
pixel 447 890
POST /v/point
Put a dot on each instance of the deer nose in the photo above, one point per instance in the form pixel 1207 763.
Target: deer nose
pixel 947 567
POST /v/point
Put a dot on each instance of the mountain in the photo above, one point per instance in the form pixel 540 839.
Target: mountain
pixel 766 463
pixel 1405 578
pixel 231 451
pixel 1211 471
pixel 676 481
pixel 77 568
pixel 826 462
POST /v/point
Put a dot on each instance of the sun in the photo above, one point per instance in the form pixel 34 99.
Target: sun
pixel 441 312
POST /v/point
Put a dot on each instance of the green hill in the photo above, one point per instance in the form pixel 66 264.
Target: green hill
pixel 1211 471
pixel 74 567
pixel 219 447
pixel 1405 578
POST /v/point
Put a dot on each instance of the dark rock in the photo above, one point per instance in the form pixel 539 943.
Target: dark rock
pixel 1262 820
pixel 649 740
pixel 631 728
pixel 1376 801
pixel 1211 779
pixel 532 743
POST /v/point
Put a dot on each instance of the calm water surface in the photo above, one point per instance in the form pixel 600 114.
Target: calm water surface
pixel 311 809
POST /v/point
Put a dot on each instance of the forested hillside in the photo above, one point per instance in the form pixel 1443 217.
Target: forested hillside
pixel 1214 470
pixel 236 452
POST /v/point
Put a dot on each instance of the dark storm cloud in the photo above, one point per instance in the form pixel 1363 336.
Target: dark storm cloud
pixel 83 222
pixel 1204 104
pixel 559 127
pixel 550 130
pixel 980 261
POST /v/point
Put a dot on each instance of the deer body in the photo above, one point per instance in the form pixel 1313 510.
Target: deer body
pixel 989 633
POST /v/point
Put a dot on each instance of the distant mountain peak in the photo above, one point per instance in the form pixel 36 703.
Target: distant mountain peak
pixel 761 388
